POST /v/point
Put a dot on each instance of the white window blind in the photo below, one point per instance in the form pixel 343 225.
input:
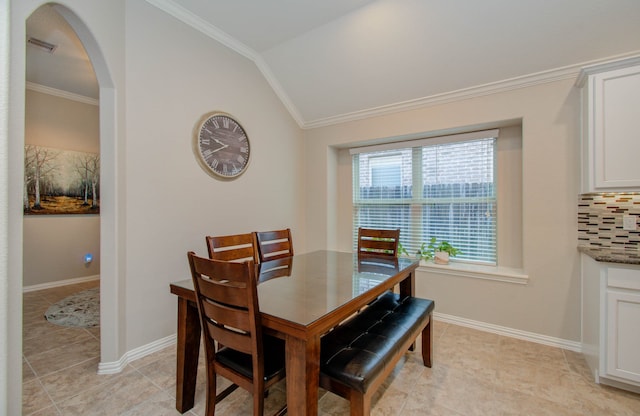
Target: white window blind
pixel 441 187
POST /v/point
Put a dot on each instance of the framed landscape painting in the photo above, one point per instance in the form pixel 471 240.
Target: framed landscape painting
pixel 60 181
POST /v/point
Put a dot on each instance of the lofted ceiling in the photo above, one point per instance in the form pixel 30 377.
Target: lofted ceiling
pixel 336 60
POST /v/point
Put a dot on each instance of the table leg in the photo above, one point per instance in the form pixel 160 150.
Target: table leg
pixel 407 286
pixel 303 374
pixel 188 349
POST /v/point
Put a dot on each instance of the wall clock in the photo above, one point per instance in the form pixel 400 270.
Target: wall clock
pixel 222 146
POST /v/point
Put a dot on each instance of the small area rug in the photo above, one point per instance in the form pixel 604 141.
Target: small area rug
pixel 81 309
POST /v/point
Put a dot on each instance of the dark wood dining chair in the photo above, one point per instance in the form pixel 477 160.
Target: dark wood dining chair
pixel 378 242
pixel 237 247
pixel 274 244
pixel 227 298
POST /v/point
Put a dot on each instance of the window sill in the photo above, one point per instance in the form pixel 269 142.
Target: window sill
pixel 477 271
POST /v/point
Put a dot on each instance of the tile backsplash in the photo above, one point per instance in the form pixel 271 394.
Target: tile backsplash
pixel 600 220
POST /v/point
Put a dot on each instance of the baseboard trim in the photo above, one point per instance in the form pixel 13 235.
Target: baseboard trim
pixel 510 332
pixel 136 353
pixel 619 384
pixel 59 283
pixel 140 352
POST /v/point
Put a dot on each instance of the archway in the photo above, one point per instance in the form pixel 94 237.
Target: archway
pixel 112 248
pixel 109 339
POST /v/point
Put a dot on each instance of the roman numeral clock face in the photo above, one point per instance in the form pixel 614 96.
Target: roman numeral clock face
pixel 222 146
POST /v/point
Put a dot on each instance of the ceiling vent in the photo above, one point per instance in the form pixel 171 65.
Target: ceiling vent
pixel 45 46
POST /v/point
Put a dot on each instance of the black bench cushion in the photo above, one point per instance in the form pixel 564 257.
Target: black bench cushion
pixel 359 349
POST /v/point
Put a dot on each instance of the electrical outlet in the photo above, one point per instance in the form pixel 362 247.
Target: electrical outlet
pixel 629 222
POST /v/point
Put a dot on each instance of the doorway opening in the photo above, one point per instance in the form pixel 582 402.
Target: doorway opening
pixel 41 88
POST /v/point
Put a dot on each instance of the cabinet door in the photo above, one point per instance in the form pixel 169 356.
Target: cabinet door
pixel 614 112
pixel 623 334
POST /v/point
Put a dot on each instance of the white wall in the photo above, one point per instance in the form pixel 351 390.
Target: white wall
pixel 174 76
pixel 154 87
pixel 61 123
pixel 549 304
pixel 54 246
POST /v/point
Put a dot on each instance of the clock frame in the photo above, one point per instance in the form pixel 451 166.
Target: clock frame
pixel 222 145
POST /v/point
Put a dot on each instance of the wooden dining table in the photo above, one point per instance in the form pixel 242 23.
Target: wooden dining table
pixel 300 299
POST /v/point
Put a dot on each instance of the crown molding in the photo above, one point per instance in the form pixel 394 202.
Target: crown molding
pixel 621 61
pixel 448 97
pixel 62 94
pixel 538 78
pixel 275 85
pixel 530 80
pixel 203 26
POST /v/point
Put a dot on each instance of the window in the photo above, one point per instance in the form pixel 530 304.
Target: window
pixel 439 187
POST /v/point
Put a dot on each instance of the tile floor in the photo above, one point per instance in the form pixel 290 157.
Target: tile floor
pixel 474 373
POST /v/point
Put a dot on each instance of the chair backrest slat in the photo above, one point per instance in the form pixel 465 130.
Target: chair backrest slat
pixel 378 242
pixel 239 341
pixel 226 294
pixel 274 245
pixel 237 247
pixel 226 316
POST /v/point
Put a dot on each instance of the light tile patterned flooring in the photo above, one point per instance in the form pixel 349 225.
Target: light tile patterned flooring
pixel 474 373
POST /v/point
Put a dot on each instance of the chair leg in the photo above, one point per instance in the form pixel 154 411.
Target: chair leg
pixel 258 403
pixel 210 405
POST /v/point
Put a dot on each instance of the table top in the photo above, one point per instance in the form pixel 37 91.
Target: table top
pixel 314 284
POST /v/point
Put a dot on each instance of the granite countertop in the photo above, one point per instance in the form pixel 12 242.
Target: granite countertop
pixel 611 255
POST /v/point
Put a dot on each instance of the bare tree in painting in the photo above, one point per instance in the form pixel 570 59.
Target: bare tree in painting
pixel 29 173
pixel 87 165
pixel 38 165
pixel 95 178
pixel 82 168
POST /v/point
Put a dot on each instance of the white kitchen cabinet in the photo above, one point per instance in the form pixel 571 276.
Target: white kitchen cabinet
pixel 623 323
pixel 610 114
pixel 611 322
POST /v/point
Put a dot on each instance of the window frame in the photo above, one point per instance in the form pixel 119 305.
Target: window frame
pixel 417 201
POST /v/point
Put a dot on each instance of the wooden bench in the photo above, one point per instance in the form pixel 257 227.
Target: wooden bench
pixel 359 354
